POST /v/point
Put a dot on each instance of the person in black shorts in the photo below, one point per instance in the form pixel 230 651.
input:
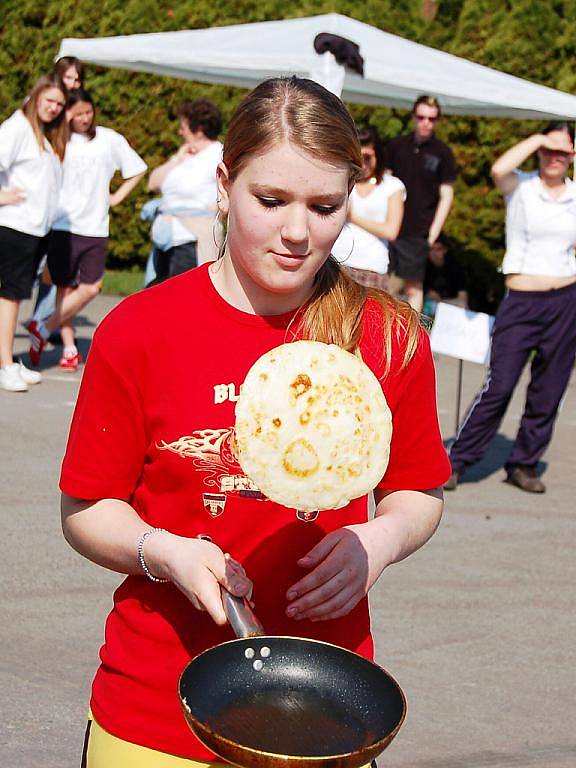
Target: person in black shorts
pixel 79 237
pixel 32 145
pixel 427 167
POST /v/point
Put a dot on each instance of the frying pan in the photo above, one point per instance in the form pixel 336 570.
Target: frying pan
pixel 269 702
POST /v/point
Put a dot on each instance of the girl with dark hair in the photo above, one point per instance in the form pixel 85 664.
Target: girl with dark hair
pixel 32 145
pixel 374 217
pixel 538 314
pixel 149 445
pixel 71 71
pixel 77 244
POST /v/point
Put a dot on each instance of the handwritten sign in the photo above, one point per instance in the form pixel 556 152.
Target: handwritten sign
pixel 461 333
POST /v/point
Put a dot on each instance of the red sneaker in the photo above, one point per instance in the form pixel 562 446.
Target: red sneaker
pixel 71 362
pixel 37 343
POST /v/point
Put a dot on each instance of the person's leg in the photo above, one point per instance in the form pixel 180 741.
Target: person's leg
pixel 512 342
pixel 182 258
pixel 70 300
pixel 410 257
pixel 8 320
pixel 414 291
pixel 550 373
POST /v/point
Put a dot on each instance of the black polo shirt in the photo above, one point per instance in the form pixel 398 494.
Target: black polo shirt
pixel 422 167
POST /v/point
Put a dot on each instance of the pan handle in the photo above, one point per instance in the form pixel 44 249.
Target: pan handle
pixel 242 618
pixel 238 610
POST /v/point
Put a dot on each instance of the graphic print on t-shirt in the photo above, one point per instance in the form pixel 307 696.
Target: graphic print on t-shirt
pixel 212 452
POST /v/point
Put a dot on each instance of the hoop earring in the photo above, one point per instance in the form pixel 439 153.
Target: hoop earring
pixel 343 261
pixel 217 224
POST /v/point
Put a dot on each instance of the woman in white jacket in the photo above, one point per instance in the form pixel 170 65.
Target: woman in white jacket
pixel 32 146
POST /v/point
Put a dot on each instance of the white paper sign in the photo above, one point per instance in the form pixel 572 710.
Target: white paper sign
pixel 461 333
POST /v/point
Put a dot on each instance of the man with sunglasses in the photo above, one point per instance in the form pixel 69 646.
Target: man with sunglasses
pixel 427 167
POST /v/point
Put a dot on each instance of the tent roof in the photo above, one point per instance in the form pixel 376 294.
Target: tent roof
pixel 396 71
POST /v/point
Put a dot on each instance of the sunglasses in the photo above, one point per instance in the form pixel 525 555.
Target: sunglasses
pixel 421 118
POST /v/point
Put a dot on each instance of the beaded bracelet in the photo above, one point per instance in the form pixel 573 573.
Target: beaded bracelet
pixel 141 554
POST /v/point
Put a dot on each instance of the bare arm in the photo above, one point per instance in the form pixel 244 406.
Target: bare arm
pixel 345 564
pixel 445 199
pixel 389 229
pixel 503 169
pixel 158 175
pixel 107 532
pixel 125 188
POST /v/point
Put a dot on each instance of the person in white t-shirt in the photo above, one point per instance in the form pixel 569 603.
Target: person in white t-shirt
pixel 536 320
pixel 71 71
pixel 183 231
pixel 79 237
pixel 32 146
pixel 374 217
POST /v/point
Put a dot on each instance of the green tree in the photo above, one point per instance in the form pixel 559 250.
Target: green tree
pixel 534 39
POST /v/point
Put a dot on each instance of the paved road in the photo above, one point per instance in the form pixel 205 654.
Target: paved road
pixel 479 627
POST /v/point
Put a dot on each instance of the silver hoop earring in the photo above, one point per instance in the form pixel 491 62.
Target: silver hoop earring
pixel 217 228
pixel 343 261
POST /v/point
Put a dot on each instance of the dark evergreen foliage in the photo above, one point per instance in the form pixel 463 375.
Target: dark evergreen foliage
pixel 535 39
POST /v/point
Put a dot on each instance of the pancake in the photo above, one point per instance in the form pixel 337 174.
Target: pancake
pixel 312 427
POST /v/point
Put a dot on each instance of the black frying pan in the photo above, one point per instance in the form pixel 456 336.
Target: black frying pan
pixel 267 702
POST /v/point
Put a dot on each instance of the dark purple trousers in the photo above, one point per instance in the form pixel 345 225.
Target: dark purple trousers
pixel 543 321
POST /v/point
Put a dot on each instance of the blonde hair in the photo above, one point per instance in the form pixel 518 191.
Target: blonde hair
pixel 56 132
pixel 314 120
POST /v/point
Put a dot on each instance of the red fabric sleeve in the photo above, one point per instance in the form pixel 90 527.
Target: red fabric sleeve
pixel 107 440
pixel 418 460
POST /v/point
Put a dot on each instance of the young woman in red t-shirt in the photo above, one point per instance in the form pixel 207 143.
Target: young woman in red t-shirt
pixel 149 443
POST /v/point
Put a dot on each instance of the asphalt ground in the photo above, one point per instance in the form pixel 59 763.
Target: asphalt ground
pixel 478 627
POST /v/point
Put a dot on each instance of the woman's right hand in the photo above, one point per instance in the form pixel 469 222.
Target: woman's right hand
pixel 198 568
pixel 13 196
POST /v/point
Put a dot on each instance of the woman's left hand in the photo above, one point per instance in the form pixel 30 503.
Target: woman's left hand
pixel 343 566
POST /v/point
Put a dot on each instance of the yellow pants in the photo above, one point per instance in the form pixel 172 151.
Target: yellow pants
pixel 102 750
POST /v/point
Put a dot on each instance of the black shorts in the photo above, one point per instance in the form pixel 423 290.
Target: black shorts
pixel 75 259
pixel 20 256
pixel 408 257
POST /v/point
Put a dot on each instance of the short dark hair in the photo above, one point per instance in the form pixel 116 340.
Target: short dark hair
pixel 430 101
pixel 202 115
pixel 560 126
pixel 368 136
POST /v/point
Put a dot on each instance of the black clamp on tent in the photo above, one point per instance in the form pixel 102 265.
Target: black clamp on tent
pixel 344 51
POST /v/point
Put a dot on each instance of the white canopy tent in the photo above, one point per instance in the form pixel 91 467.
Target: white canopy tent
pixel 396 70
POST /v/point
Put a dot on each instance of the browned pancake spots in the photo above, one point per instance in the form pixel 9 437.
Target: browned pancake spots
pixel 277 422
pixel 301 384
pixel 300 459
pixel 347 383
pixel 263 377
pixel 305 417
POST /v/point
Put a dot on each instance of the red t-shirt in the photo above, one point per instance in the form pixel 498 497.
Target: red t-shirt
pixel 152 426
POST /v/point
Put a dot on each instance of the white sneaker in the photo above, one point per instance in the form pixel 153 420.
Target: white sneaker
pixel 10 379
pixel 30 377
